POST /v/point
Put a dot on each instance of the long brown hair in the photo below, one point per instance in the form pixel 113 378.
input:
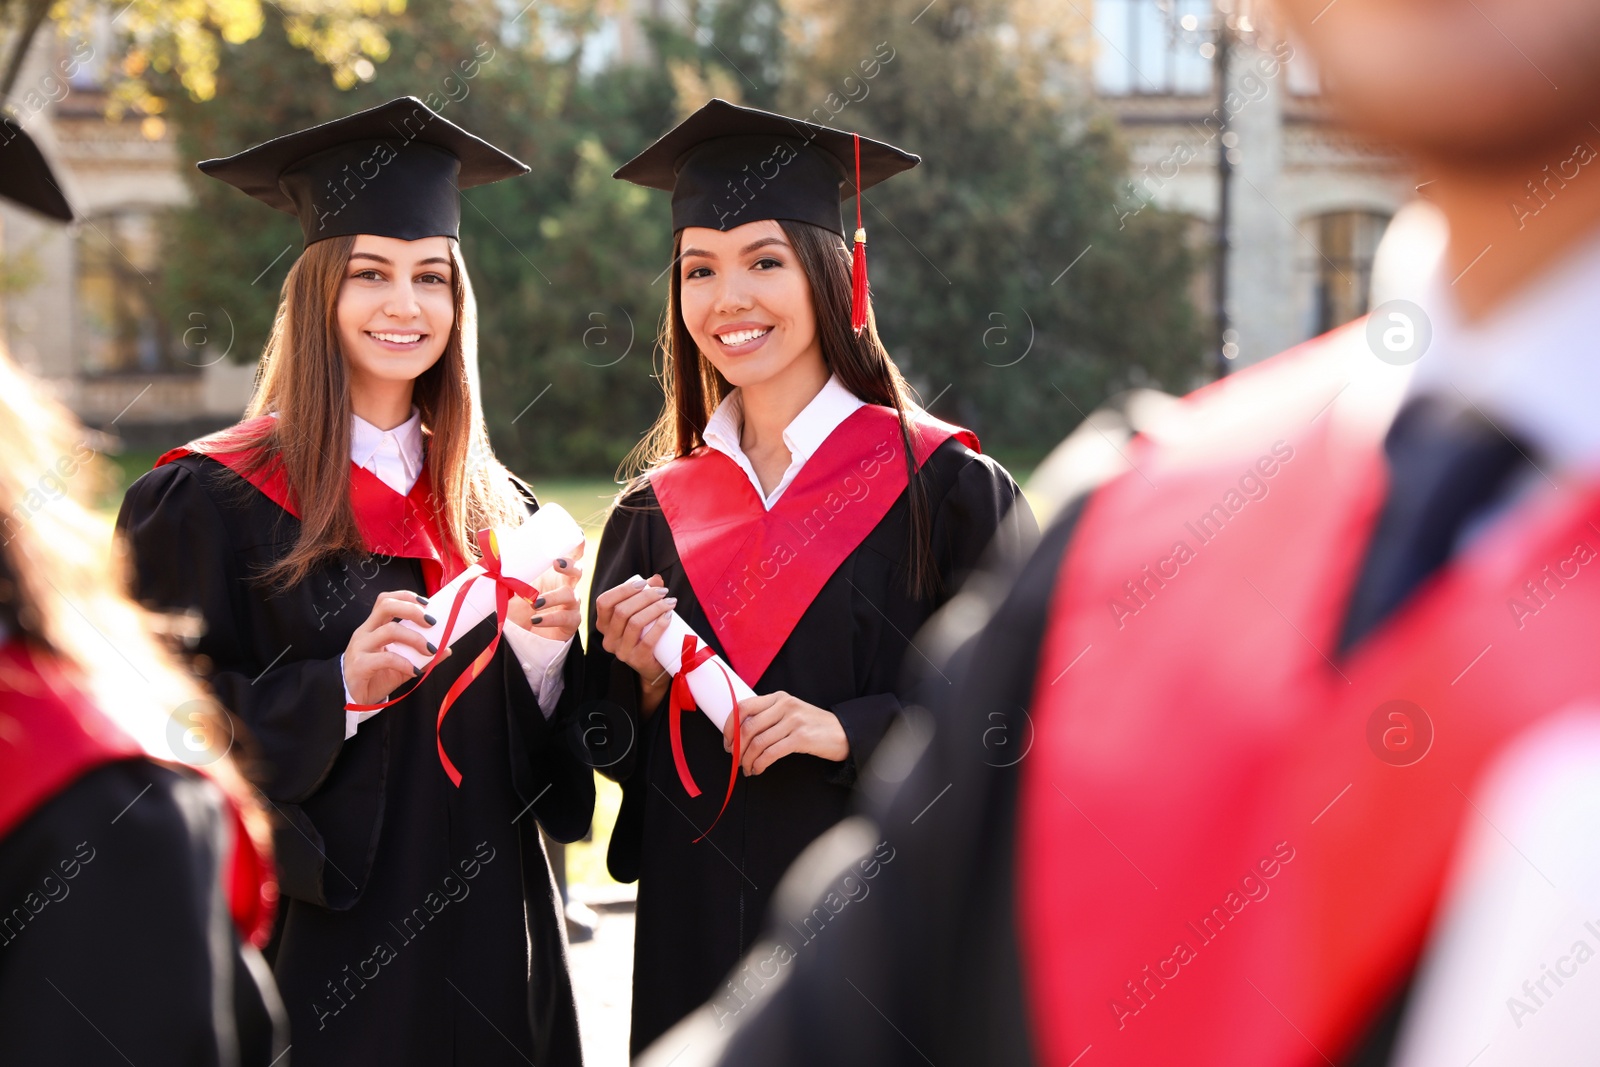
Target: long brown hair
pixel 305 380
pixel 694 387
pixel 61 593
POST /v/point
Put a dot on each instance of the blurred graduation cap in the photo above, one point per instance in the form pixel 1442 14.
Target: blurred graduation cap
pixel 395 170
pixel 26 177
pixel 727 165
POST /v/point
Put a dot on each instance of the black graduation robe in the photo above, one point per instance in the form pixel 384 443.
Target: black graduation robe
pixel 700 905
pixel 115 941
pixel 419 923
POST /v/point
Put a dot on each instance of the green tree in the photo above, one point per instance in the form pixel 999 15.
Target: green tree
pixel 180 45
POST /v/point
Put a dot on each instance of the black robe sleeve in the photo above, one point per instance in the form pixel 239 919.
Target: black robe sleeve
pixel 185 560
pixel 116 944
pixel 923 963
pixel 612 731
pixel 556 779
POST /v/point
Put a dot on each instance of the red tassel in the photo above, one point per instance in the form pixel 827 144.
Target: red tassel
pixel 858 259
pixel 858 283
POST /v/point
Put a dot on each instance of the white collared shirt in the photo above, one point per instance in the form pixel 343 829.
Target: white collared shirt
pixel 802 437
pixel 395 456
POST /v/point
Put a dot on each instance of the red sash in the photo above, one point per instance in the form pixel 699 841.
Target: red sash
pixel 51 735
pixel 754 571
pixel 1228 849
pixel 390 524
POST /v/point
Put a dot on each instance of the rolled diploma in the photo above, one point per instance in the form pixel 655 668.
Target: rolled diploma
pixel 705 681
pixel 526 552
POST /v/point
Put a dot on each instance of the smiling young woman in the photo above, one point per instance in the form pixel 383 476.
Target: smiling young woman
pixel 419 925
pixel 798 510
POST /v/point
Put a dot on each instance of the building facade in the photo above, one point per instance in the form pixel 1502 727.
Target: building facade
pixel 81 305
pixel 1308 203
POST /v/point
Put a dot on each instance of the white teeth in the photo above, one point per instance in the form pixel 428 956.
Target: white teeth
pixel 739 337
pixel 399 338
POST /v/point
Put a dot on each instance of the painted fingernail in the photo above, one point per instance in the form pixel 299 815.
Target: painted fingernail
pixel 561 563
pixel 538 602
pixel 432 648
pixel 671 601
pixel 536 620
pixel 430 620
pixel 421 599
pixel 395 619
pixel 416 672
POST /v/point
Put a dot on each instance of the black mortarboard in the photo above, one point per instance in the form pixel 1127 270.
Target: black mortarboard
pixel 727 165
pixel 395 170
pixel 26 177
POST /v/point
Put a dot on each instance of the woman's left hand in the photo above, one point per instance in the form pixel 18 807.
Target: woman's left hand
pixel 554 613
pixel 778 725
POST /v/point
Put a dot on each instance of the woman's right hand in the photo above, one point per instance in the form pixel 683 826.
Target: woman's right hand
pixel 631 618
pixel 371 672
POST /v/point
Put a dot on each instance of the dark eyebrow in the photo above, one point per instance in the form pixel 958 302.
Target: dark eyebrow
pixel 746 250
pixel 389 262
pixel 762 243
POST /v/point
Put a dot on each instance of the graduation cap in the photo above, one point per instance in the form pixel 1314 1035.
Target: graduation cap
pixel 395 170
pixel 26 177
pixel 727 165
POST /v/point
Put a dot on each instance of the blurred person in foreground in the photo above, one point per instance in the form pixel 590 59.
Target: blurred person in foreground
pixel 1284 745
pixel 135 866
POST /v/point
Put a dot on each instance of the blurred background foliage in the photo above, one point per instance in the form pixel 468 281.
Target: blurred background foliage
pixel 970 252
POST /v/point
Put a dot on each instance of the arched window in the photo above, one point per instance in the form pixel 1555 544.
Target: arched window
pixel 120 325
pixel 1336 276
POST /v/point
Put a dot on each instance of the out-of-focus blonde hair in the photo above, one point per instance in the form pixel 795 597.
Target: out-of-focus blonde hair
pixel 62 583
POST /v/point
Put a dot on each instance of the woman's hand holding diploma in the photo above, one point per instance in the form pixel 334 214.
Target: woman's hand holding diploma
pixel 631 617
pixel 371 672
pixel 636 615
pixel 777 725
pixel 554 613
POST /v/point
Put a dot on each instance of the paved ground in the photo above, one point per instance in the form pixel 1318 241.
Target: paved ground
pixel 602 974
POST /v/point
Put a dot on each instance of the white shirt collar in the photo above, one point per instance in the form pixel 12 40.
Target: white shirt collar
pixel 395 456
pixel 1533 366
pixel 802 437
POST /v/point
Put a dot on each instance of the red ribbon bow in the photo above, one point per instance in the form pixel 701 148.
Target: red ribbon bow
pixel 681 700
pixel 504 588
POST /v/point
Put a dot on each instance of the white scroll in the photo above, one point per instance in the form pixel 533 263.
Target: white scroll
pixel 706 681
pixel 526 552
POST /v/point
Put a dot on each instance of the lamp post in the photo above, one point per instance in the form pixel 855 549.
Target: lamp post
pixel 1227 340
pixel 1228 24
